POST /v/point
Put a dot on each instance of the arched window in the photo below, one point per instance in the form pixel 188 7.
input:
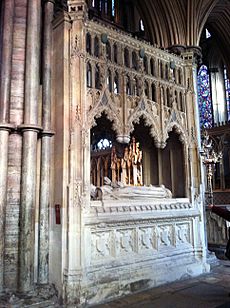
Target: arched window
pixel 109 80
pixel 146 89
pixel 128 86
pixel 152 67
pixel 145 62
pixel 135 87
pixel 166 72
pixel 89 75
pixel 116 84
pixel 168 102
pixel 179 76
pixel 176 100
pixel 108 51
pixel 153 87
pixel 174 74
pixel 97 77
pixel 126 57
pixel 181 102
pixel 134 60
pixel 161 70
pixel 88 43
pixel 96 47
pixel 115 53
pixel 204 97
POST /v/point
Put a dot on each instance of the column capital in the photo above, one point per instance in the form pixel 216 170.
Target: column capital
pixel 7 126
pixel 47 133
pixel 29 127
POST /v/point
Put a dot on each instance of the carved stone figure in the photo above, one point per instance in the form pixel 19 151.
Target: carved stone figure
pixel 119 191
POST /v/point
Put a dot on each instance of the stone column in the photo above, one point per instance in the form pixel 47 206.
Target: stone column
pixel 30 131
pixel 5 127
pixel 43 246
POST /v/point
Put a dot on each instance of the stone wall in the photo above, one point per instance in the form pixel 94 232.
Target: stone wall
pixel 15 145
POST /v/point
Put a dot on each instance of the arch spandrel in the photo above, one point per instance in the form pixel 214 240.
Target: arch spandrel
pixel 106 105
pixel 173 125
pixel 151 119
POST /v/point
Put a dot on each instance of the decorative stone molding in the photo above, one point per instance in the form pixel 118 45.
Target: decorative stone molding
pixel 8 127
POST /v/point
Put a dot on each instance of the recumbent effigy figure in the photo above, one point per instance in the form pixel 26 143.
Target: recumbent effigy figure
pixel 117 191
pixel 127 178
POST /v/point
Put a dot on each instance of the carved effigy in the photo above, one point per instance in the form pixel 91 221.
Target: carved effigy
pixel 118 191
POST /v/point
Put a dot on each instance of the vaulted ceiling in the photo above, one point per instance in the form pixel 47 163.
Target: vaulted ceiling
pixel 181 22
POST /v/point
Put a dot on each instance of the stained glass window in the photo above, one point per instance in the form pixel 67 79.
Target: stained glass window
pixel 204 97
pixel 113 8
pixel 227 91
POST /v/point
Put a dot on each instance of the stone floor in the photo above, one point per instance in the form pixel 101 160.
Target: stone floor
pixel 207 291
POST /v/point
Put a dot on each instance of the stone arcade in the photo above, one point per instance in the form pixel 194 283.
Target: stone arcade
pixel 110 106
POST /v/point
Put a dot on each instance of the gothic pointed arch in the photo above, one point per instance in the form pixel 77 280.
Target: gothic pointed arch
pixel 150 118
pixel 106 105
pixel 179 129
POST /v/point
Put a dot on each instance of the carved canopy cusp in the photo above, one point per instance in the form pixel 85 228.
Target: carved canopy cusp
pixel 149 121
pixel 110 114
pixel 183 136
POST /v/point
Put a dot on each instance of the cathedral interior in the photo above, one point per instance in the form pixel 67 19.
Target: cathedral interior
pixel 104 109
